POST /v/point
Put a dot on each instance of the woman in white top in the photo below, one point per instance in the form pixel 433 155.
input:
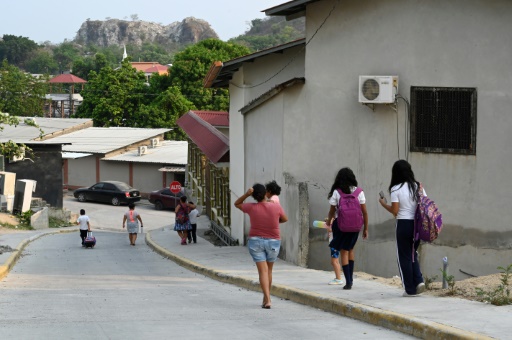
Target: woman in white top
pixel 404 192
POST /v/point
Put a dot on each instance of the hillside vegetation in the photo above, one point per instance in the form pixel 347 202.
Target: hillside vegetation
pixel 100 43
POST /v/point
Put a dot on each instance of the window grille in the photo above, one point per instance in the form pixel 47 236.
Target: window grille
pixel 443 120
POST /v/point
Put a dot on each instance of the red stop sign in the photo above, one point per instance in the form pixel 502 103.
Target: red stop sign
pixel 175 187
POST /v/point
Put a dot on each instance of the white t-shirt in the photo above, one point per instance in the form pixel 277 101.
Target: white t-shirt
pixel 82 221
pixel 400 193
pixel 335 198
pixel 192 216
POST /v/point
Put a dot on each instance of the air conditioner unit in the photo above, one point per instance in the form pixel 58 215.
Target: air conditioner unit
pixel 378 89
pixel 142 150
pixel 154 142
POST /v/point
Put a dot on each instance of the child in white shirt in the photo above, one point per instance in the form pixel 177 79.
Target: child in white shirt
pixel 192 215
pixel 84 223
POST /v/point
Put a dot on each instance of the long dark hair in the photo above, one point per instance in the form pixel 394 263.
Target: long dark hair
pixel 343 181
pixel 402 173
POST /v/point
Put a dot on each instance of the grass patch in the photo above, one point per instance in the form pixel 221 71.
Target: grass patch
pixel 18 227
pixel 56 223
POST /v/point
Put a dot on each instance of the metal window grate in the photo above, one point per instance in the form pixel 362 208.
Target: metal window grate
pixel 443 119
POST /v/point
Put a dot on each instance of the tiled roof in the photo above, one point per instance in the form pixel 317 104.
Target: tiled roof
pixel 66 79
pixel 215 118
pixel 143 65
pixel 211 141
pixel 160 69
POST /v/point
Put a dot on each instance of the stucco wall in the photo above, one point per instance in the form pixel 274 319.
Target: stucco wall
pixel 82 171
pixel 264 138
pixel 147 178
pixel 435 43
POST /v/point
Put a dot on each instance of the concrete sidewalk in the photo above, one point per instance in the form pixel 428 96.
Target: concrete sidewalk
pixel 425 316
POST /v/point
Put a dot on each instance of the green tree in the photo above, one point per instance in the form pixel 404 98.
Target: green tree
pixel 20 93
pixel 64 55
pixel 165 110
pixel 191 66
pixel 42 61
pixel 114 97
pixel 16 49
pixel 84 65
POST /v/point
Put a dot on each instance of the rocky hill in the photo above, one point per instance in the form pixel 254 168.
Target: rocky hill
pixel 118 32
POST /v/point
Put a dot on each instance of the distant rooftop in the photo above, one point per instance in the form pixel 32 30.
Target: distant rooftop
pixel 105 140
pixel 167 152
pixel 24 133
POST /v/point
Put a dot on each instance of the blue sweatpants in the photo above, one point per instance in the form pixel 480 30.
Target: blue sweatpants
pixel 406 249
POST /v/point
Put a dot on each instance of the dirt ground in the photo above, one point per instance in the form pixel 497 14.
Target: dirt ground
pixel 8 219
pixel 465 289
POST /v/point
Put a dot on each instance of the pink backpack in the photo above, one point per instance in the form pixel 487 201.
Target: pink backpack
pixel 350 216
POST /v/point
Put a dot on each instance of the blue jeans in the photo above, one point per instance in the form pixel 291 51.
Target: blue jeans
pixel 263 249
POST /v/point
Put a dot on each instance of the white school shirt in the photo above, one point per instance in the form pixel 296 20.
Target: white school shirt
pixel 82 220
pixel 193 216
pixel 400 193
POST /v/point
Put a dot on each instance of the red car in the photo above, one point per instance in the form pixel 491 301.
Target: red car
pixel 164 199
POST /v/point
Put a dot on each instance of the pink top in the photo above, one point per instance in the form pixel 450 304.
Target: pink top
pixel 274 199
pixel 264 219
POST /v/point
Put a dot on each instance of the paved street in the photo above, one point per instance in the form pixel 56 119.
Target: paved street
pixel 110 217
pixel 59 290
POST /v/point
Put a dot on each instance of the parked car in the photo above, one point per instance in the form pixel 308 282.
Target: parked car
pixel 164 199
pixel 113 192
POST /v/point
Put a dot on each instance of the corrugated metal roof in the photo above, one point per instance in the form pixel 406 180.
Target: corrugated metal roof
pixel 291 9
pixel 168 152
pixel 105 140
pixel 64 96
pixel 74 155
pixel 24 132
pixel 215 118
pixel 207 138
pixel 172 169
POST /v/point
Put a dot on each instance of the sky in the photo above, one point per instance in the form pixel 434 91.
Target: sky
pixel 56 20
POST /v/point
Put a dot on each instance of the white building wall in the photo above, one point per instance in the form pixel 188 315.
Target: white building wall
pixel 147 178
pixel 435 43
pixel 82 171
pixel 115 171
pixel 265 142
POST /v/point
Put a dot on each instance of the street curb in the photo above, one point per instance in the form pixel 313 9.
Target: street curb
pixel 406 324
pixel 11 261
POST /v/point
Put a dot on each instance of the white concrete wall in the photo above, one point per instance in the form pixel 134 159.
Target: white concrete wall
pixel 115 171
pixel 260 135
pixel 82 171
pixel 435 43
pixel 147 178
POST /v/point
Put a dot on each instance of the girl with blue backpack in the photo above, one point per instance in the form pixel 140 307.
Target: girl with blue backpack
pixel 348 209
pixel 404 192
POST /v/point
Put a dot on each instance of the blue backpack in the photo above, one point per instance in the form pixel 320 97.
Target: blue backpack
pixel 350 216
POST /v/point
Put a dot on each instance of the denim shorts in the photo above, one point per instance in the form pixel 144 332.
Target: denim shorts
pixel 263 249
